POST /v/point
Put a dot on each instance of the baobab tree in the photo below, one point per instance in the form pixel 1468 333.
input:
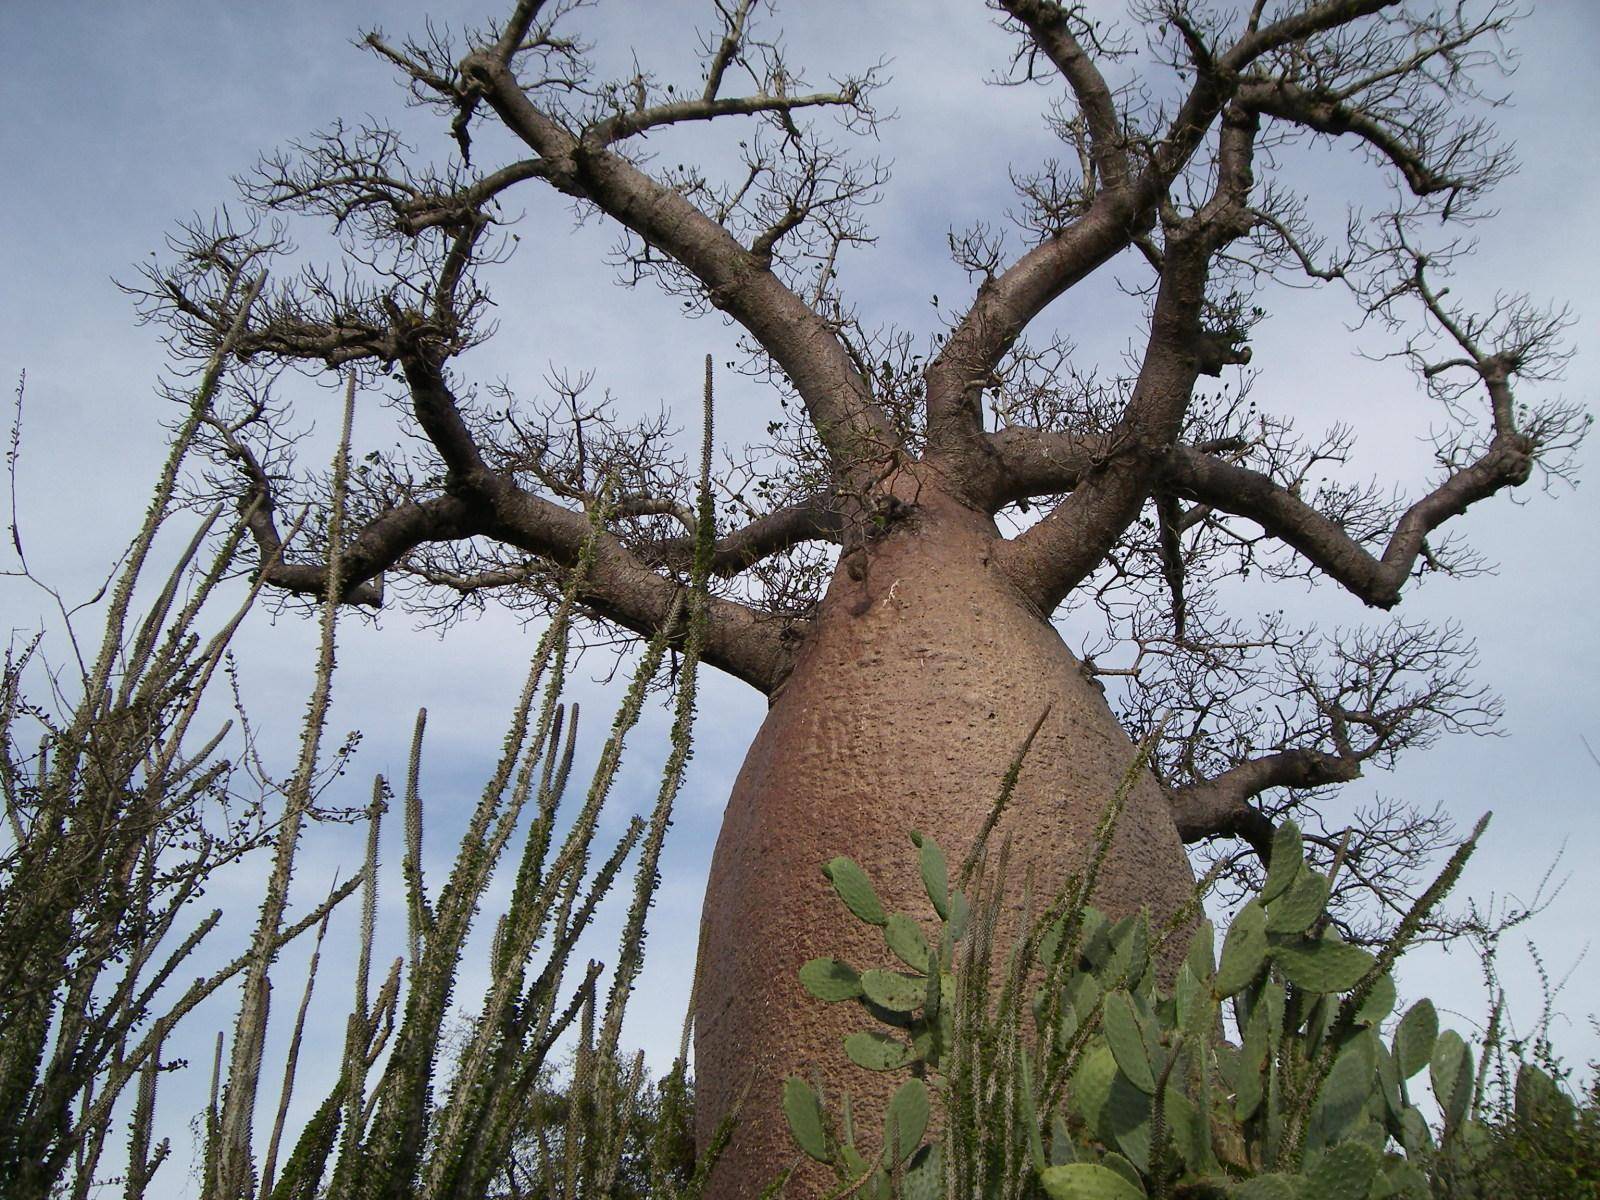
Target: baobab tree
pixel 887 569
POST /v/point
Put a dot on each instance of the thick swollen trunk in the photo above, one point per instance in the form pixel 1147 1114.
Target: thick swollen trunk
pixel 918 685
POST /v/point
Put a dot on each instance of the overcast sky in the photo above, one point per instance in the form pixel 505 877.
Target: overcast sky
pixel 123 119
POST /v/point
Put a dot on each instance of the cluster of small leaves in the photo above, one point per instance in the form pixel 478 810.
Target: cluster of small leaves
pixel 1123 1087
pixel 392 1138
pixel 112 831
pixel 120 811
pixel 1532 1141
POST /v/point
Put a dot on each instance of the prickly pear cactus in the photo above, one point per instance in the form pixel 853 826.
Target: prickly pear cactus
pixel 1085 1080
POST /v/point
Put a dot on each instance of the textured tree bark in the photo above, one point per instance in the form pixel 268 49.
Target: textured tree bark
pixel 919 683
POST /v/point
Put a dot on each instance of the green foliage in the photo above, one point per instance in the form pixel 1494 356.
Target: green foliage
pixel 109 838
pixel 486 1136
pixel 122 803
pixel 1089 1062
pixel 1529 1140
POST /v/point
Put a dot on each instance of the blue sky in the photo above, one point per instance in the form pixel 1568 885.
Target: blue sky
pixel 123 119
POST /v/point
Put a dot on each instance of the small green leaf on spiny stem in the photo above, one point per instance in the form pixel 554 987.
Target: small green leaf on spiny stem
pixel 831 980
pixel 855 889
pixel 804 1113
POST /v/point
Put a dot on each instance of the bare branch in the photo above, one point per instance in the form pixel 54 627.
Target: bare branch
pixel 630 124
pixel 1059 31
pixel 736 280
pixel 812 520
pixel 1220 806
pixel 1054 556
pixel 1375 579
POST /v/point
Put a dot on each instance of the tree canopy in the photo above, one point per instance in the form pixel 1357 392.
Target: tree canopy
pixel 1132 491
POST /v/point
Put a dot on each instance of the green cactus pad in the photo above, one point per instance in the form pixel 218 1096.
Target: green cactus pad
pixel 1189 997
pixel 831 980
pixel 1082 992
pixel 923 1178
pixel 1244 951
pixel 1414 1133
pixel 1345 1172
pixel 1190 1130
pixel 855 889
pixel 1540 1101
pixel 1061 1147
pixel 1087 1181
pixel 1127 1042
pixel 1029 1109
pixel 1288 853
pixel 877 1051
pixel 1321 965
pixel 906 942
pixel 960 914
pixel 1379 1003
pixel 1414 1038
pixel 894 990
pixel 1201 958
pixel 1267 1187
pixel 935 875
pixel 1344 1093
pixel 1127 1112
pixel 906 1120
pixel 1389 1085
pixel 1115 1162
pixel 1299 906
pixel 933 996
pixel 804 1113
pixel 1091 1089
pixel 1450 1073
pixel 1130 950
pixel 1402 1181
pixel 855 1164
pixel 1252 1063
